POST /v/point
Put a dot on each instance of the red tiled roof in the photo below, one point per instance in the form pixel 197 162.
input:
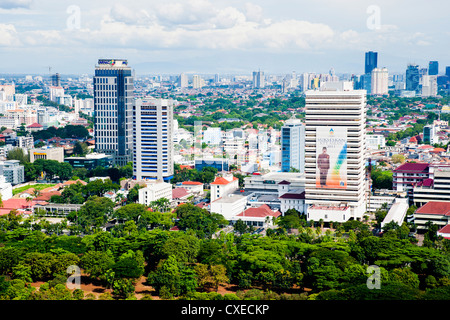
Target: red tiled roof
pixel 411 166
pixel 435 207
pixel 445 229
pixel 192 183
pixel 221 180
pixel 34 125
pixel 425 183
pixel 260 212
pixel 178 193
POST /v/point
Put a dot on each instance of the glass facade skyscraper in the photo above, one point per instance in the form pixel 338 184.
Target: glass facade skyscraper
pixel 113 109
pixel 412 78
pixel 371 61
pixel 433 68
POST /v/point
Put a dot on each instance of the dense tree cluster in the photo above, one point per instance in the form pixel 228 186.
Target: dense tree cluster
pixel 192 263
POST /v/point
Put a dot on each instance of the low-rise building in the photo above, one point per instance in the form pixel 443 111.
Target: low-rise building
pixel 154 191
pixel 438 212
pixel 257 217
pixel 91 161
pixel 223 185
pixel 47 153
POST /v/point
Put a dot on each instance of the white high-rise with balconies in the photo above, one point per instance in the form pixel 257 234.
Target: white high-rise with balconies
pixel 379 81
pixel 153 143
pixel 335 118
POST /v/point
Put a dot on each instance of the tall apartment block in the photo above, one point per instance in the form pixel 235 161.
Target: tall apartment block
pixel 113 109
pixel 258 79
pixel 335 180
pixel 153 145
pixel 293 146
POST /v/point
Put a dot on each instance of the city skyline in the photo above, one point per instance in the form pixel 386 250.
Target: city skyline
pixel 201 36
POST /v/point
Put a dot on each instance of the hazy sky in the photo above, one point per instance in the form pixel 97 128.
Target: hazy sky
pixel 218 36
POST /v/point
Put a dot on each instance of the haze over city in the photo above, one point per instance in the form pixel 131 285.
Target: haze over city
pixel 206 36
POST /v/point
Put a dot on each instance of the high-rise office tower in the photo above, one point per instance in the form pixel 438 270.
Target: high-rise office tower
pixel 379 81
pixel 153 143
pixel 113 109
pixel 433 68
pixel 335 182
pixel 447 71
pixel 258 79
pixel 371 61
pixel 412 78
pixel 293 146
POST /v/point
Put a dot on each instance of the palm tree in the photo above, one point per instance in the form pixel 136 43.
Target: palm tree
pixel 28 200
pixel 36 193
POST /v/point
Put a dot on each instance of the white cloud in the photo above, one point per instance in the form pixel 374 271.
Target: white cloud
pixel 13 4
pixel 8 35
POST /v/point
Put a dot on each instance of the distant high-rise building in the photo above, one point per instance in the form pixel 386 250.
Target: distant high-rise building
pixel 371 61
pixel 412 78
pixel 258 79
pixel 113 109
pixel 153 143
pixel 447 71
pixel 379 81
pixel 197 82
pixel 335 151
pixel 216 78
pixel 433 68
pixel 183 81
pixel 56 80
pixel 429 86
pixel 293 146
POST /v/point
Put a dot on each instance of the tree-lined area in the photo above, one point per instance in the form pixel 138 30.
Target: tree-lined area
pixel 200 262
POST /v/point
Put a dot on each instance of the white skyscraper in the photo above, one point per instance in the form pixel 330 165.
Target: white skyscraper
pixel 293 146
pixel 197 82
pixel 379 81
pixel 153 143
pixel 183 81
pixel 335 155
pixel 258 79
pixel 113 109
pixel 429 86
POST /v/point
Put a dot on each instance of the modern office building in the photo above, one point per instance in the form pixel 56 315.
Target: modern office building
pixel 293 146
pixel 91 161
pixel 258 79
pixel 379 81
pixel 13 171
pixel 153 143
pixel 371 61
pixel 335 179
pixel 433 68
pixel 412 78
pixel 113 109
pixel 197 82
